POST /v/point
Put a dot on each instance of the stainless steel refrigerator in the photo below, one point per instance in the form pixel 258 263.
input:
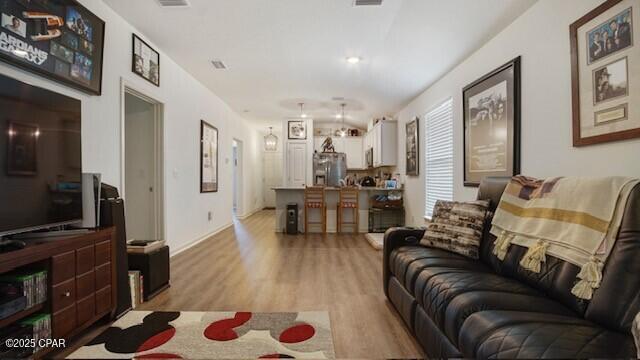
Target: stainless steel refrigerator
pixel 329 168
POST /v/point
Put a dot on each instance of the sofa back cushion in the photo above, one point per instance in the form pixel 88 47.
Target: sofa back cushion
pixel 617 301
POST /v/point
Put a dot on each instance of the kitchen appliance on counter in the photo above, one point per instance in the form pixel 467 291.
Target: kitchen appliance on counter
pixel 329 168
pixel 367 181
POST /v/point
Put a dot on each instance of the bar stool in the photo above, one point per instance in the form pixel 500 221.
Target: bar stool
pixel 349 199
pixel 314 199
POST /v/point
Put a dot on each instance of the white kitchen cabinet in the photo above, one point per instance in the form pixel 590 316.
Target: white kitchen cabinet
pixel 296 164
pixel 385 143
pixel 353 147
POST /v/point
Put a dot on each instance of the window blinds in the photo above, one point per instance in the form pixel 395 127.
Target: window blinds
pixel 439 155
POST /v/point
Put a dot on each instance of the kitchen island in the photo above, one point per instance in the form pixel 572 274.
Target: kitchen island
pixel 288 195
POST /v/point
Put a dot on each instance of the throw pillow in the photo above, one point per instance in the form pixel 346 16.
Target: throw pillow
pixel 457 227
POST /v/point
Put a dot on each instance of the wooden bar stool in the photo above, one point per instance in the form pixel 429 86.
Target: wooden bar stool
pixel 314 199
pixel 349 199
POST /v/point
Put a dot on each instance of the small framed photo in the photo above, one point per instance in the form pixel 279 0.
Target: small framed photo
pixel 145 61
pixel 297 130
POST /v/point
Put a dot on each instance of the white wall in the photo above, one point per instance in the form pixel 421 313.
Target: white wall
pixel 541 37
pixel 186 101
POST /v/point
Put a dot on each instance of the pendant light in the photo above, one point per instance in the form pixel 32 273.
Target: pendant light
pixel 343 131
pixel 302 114
pixel 270 141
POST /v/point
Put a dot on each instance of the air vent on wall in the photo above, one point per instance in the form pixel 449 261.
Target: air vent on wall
pixel 218 64
pixel 367 2
pixel 174 3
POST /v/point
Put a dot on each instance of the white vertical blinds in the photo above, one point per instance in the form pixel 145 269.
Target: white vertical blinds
pixel 439 155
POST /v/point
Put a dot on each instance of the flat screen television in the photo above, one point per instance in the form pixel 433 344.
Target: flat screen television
pixel 41 158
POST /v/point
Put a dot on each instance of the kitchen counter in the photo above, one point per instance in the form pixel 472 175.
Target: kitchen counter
pixel 288 195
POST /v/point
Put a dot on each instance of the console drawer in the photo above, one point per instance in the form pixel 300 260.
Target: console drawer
pixel 103 252
pixel 63 295
pixel 85 284
pixel 64 321
pixel 86 309
pixel 103 300
pixel 103 276
pixel 63 267
pixel 84 259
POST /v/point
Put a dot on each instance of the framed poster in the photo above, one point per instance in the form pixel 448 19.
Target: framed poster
pixel 492 124
pixel 145 61
pixel 605 73
pixel 208 158
pixel 412 145
pixel 297 130
pixel 23 148
pixel 58 39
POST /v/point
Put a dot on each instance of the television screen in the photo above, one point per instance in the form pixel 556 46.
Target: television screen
pixel 40 153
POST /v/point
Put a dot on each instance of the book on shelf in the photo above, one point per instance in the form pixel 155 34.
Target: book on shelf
pixel 144 246
pixel 136 285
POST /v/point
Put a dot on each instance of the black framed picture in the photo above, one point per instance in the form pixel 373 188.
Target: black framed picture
pixel 413 145
pixel 604 65
pixel 23 148
pixel 492 124
pixel 145 61
pixel 208 157
pixel 297 130
pixel 58 39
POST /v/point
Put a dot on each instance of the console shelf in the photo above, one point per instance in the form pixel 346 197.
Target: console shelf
pixel 20 315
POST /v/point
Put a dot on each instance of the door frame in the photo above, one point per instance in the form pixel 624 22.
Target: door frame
pixel 238 186
pixel 127 87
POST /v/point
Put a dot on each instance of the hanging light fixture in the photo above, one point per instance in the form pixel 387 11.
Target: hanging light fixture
pixel 343 131
pixel 270 141
pixel 302 114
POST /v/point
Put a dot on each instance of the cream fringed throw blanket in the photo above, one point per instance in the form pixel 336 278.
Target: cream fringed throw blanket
pixel 574 219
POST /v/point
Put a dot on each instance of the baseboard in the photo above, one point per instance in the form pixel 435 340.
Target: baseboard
pixel 242 217
pixel 201 239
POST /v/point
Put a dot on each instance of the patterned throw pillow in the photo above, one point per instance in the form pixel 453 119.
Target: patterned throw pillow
pixel 457 227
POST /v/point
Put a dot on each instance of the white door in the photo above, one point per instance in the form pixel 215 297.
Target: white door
pixel 296 164
pixel 272 177
pixel 140 169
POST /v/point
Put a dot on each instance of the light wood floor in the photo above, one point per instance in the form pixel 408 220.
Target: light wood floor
pixel 251 268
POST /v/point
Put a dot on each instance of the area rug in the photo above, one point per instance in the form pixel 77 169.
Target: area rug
pixel 375 240
pixel 213 335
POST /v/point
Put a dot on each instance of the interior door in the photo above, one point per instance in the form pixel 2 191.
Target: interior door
pixel 296 164
pixel 272 177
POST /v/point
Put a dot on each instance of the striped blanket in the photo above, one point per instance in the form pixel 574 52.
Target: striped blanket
pixel 574 219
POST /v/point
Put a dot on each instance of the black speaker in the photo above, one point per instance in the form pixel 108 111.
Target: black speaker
pixel 112 214
pixel 154 267
pixel 292 219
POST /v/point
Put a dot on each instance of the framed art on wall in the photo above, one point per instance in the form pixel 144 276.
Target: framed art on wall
pixel 491 116
pixel 58 39
pixel 208 158
pixel 145 61
pixel 412 145
pixel 297 130
pixel 605 73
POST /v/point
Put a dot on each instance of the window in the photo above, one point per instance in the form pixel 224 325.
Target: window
pixel 439 155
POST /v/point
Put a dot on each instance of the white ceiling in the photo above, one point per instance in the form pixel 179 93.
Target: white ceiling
pixel 282 52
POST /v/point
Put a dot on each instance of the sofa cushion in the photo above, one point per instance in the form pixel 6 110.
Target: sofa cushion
pixel 527 335
pixel 436 287
pixel 406 263
pixel 457 227
pixel 469 303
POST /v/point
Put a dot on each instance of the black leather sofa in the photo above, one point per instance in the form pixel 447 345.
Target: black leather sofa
pixel 458 307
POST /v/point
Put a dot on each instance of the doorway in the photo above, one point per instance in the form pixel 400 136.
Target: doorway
pixel 237 177
pixel 142 172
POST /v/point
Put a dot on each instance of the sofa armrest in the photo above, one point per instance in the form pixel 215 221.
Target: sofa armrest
pixel 393 238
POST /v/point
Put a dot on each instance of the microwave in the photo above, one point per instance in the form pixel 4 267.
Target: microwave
pixel 369 157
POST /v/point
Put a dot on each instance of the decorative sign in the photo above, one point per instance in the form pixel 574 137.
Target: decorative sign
pixel 208 158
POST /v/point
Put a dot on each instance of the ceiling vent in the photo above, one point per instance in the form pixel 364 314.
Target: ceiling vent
pixel 218 64
pixel 367 2
pixel 174 3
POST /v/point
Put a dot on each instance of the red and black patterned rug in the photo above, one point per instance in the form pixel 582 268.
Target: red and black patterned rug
pixel 213 335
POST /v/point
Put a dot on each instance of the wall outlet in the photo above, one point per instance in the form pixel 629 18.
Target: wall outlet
pixel 210 215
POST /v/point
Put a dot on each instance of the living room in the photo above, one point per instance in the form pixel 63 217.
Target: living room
pixel 353 179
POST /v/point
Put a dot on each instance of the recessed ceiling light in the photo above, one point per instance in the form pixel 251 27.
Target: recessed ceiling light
pixel 354 59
